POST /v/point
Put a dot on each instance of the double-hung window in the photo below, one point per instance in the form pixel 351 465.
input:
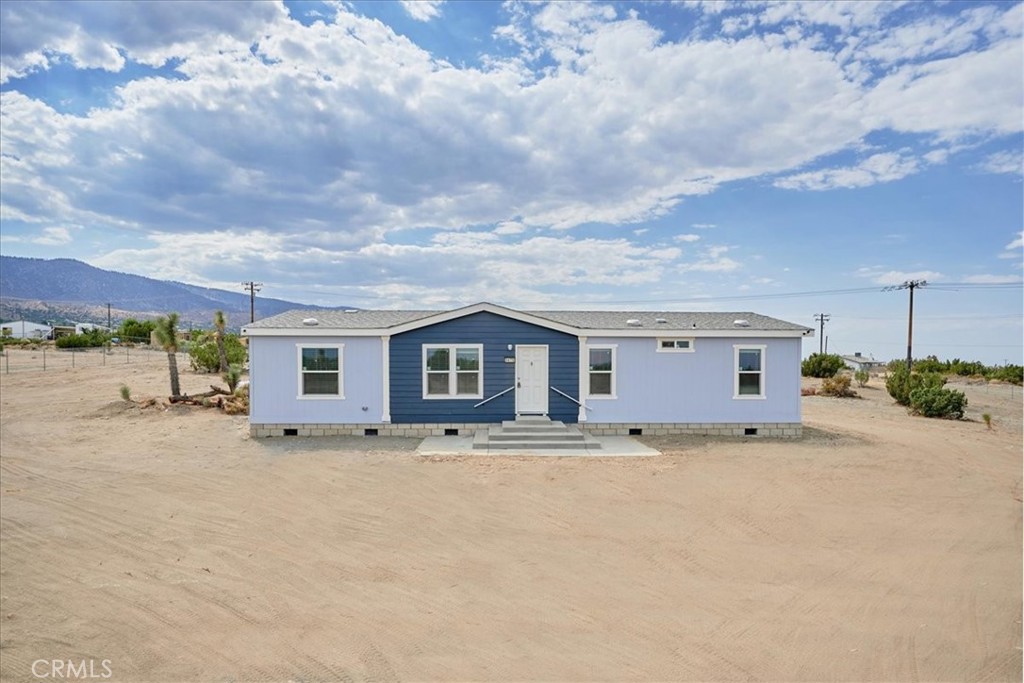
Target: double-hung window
pixel 749 371
pixel 320 371
pixel 453 371
pixel 601 368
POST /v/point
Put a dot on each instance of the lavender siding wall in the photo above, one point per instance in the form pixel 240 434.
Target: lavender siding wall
pixel 698 386
pixel 275 382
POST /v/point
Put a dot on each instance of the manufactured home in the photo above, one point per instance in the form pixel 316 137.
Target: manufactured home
pixel 423 373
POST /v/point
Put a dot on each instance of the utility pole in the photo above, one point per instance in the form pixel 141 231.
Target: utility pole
pixel 108 319
pixel 252 288
pixel 822 318
pixel 911 285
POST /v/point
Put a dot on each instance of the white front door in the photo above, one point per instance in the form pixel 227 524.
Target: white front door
pixel 531 380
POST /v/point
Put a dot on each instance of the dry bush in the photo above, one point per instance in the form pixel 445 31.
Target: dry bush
pixel 838 387
pixel 809 391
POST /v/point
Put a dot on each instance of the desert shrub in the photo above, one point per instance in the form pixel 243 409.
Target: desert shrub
pixel 808 391
pixel 901 383
pixel 988 419
pixel 202 351
pixel 838 386
pixel 126 393
pixel 136 330
pixel 822 365
pixel 930 364
pixel 1007 373
pixel 931 401
pixel 862 377
pixel 88 339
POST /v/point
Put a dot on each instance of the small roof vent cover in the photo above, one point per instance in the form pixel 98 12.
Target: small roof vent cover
pixel 633 322
pixel 741 323
pixel 310 322
pixel 660 321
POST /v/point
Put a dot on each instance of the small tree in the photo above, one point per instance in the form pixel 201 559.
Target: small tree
pixel 232 377
pixel 862 377
pixel 822 365
pixel 167 336
pixel 220 322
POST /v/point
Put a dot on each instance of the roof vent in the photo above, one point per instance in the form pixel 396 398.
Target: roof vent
pixel 310 322
pixel 694 326
pixel 660 321
pixel 633 322
pixel 741 323
pixel 351 310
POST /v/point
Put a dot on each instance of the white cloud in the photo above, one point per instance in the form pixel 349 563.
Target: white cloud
pixel 1013 249
pixel 686 238
pixel 703 226
pixel 422 10
pixel 878 168
pixel 1003 162
pixel 897 277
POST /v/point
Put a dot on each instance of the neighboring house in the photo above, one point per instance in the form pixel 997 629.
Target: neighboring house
pixel 23 329
pixel 418 373
pixel 860 362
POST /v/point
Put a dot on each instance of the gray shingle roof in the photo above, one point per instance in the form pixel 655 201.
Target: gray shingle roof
pixel 583 320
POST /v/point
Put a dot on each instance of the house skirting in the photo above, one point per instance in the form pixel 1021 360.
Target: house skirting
pixel 785 430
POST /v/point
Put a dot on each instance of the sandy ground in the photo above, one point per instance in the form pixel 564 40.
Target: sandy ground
pixel 168 546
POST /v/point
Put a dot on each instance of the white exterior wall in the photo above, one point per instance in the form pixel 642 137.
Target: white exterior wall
pixel 697 387
pixel 274 378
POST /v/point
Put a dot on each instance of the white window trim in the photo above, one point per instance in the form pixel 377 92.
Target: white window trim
pixel 341 373
pixel 659 341
pixel 614 372
pixel 763 348
pixel 452 373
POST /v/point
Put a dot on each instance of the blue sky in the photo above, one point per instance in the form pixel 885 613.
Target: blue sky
pixel 671 155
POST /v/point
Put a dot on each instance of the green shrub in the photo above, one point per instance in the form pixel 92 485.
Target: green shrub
pixel 822 365
pixel 838 386
pixel 139 331
pixel 126 393
pixel 901 383
pixel 1007 373
pixel 862 377
pixel 930 364
pixel 88 339
pixel 202 351
pixel 931 401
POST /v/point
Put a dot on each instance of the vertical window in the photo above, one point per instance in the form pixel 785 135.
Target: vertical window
pixel 320 371
pixel 453 371
pixel 749 371
pixel 601 366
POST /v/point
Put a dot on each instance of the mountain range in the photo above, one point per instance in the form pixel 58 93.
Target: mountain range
pixel 67 290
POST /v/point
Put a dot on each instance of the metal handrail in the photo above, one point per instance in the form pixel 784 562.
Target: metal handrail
pixel 500 393
pixel 562 393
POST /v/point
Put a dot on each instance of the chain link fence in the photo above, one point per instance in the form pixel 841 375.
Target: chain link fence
pixel 48 358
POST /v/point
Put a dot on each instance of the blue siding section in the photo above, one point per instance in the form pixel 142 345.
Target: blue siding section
pixel 495 332
pixel 274 376
pixel 698 386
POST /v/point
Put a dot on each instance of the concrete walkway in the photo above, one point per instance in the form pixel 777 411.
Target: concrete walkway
pixel 611 446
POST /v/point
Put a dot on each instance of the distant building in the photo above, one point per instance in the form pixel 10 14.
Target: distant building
pixel 861 362
pixel 23 329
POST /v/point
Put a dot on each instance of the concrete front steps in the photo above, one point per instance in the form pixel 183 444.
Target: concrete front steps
pixel 529 433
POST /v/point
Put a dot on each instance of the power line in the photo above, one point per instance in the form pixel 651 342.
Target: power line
pixel 910 285
pixel 822 318
pixel 252 288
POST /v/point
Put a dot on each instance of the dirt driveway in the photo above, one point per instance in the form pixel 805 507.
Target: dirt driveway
pixel 168 546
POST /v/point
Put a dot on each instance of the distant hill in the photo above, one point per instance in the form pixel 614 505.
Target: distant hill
pixel 66 290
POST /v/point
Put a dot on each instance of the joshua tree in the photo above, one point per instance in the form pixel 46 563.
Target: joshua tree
pixel 220 321
pixel 167 336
